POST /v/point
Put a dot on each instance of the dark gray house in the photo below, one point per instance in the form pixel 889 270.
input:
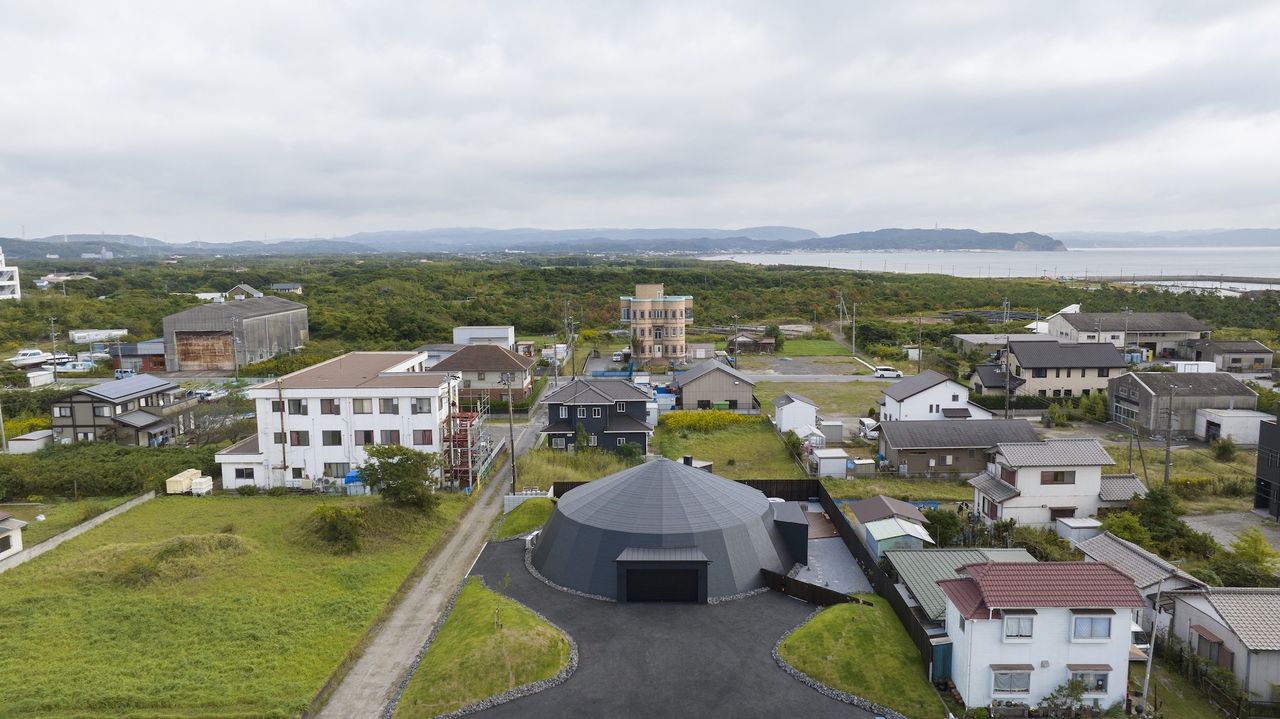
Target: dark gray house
pixel 1267 495
pixel 143 410
pixel 612 412
pixel 991 378
pixel 664 531
pixel 1142 400
pixel 947 446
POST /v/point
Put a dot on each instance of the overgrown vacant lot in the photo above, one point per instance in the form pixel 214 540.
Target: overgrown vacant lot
pixel 832 648
pixel 489 644
pixel 747 451
pixel 200 607
pixel 813 348
pixel 908 490
pixel 541 468
pixel 850 399
pixel 58 516
pixel 1201 481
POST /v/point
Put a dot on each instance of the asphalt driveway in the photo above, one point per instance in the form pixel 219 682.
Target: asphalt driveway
pixel 662 660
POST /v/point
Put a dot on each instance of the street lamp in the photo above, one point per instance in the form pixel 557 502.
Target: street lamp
pixel 507 379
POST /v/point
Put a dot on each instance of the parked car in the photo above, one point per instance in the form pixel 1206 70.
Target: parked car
pixel 868 428
pixel 887 372
pixel 124 373
pixel 617 357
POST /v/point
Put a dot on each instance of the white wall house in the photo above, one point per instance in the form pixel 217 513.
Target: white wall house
pixel 1152 576
pixel 10 285
pixel 1019 630
pixel 1035 483
pixel 10 534
pixel 1236 629
pixel 794 413
pixel 928 395
pixel 316 422
pixel 503 336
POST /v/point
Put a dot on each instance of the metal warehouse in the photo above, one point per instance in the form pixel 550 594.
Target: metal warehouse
pixel 224 336
pixel 661 531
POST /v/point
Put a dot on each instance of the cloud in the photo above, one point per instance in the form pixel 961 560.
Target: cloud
pixel 242 119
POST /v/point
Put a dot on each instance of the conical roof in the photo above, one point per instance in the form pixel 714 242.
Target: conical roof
pixel 663 497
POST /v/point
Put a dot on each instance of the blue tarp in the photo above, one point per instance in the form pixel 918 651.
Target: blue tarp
pixel 353 477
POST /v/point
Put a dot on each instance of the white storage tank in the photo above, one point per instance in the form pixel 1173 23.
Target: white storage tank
pixel 201 486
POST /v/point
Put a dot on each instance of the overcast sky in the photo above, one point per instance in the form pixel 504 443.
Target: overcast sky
pixel 227 120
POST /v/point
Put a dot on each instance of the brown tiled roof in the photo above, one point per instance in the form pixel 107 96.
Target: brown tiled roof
pixel 483 358
pixel 1041 584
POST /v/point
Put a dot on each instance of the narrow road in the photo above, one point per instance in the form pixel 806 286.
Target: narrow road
pixel 368 687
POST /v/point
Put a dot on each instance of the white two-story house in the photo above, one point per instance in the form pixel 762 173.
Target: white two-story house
pixel 1035 483
pixel 316 423
pixel 1019 630
pixel 928 395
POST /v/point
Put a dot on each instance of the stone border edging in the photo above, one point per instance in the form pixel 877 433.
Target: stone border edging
pixel 523 690
pixel 70 533
pixel 823 689
pixel 528 564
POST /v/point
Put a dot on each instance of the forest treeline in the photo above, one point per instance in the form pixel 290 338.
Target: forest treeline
pixel 384 301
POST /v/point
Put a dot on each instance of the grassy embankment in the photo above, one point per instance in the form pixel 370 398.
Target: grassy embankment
pixel 748 451
pixel 489 644
pixel 201 607
pixel 531 514
pixel 58 516
pixel 828 646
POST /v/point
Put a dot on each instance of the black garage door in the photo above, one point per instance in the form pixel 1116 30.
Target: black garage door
pixel 662 585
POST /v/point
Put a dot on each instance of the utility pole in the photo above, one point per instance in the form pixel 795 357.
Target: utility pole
pixel 1168 436
pixel 919 343
pixel 507 379
pixel 53 337
pixel 4 438
pixel 1151 653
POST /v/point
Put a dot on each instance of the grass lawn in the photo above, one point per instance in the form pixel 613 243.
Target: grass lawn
pixel 755 449
pixel 531 514
pixel 58 516
pixel 834 648
pixel 846 398
pixel 813 348
pixel 489 644
pixel 201 607
pixel 908 490
pixel 1178 698
pixel 541 468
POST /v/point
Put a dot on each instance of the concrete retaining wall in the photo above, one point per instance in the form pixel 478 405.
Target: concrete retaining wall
pixel 30 553
pixel 511 501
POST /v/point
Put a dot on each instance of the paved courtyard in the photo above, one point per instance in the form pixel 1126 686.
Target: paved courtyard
pixel 662 660
pixel 1225 526
pixel 831 565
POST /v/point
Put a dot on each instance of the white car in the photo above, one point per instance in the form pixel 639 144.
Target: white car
pixel 617 356
pixel 887 372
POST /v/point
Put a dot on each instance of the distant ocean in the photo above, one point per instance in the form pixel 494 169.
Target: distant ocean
pixel 1077 263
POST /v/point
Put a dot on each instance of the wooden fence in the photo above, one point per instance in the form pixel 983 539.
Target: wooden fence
pixel 811 593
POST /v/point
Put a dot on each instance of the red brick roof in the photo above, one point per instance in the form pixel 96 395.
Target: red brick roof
pixel 995 585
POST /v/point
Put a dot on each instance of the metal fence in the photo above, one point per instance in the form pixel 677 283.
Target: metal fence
pixel 811 593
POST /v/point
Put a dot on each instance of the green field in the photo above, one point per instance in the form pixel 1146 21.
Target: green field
pixel 813 348
pixel 540 468
pixel 752 451
pixel 489 644
pixel 851 399
pixel 201 607
pixel 834 648
pixel 531 514
pixel 908 490
pixel 58 516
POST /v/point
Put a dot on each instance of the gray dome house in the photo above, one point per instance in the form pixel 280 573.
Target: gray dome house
pixel 661 531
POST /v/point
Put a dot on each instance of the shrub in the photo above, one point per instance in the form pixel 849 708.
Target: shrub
pixel 631 453
pixel 247 490
pixel 1045 545
pixel 1127 525
pixel 402 475
pixel 944 525
pixel 337 526
pixel 1224 450
pixel 91 510
pixel 277 492
pixel 704 420
pixel 97 469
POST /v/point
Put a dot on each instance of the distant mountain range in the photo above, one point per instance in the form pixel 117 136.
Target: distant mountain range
pixel 474 240
pixel 1177 238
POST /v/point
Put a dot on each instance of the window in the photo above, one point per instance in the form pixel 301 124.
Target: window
pixel 421 405
pixel 328 406
pixel 955 398
pixel 422 436
pixel 336 469
pixel 245 473
pixel 363 436
pixel 1011 682
pixel 620 407
pixel 331 438
pixel 299 439
pixel 1057 512
pixel 1042 393
pixel 297 472
pixel 1237 360
pixel 84 436
pixel 277 406
pixel 582 413
pixel 102 410
pixel 1009 475
pixel 362 406
pixel 1091 628
pixel 948 460
pixel 1259 360
pixel 390 436
pixel 592 440
pixel 389 405
pixel 1018 626
pixel 1040 373
pixel 1057 393
pixel 564 412
pixel 621 441
pixel 1066 393
pixel 479 376
pixel 62 410
pixel 297 406
pixel 596 412
pixel 278 437
pixel 1104 371
pixel 1058 477
pixel 6 543
pixel 557 442
pixel 1058 372
pixel 1092 681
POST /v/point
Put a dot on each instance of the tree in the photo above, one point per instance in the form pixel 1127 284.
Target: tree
pixel 945 526
pixel 403 476
pixel 1251 546
pixel 775 332
pixel 1065 698
pixel 1127 525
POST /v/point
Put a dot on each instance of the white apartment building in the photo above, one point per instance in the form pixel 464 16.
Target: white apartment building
pixel 10 286
pixel 316 423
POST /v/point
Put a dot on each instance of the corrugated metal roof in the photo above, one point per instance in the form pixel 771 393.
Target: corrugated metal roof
pixel 911 386
pixel 120 389
pixel 995 488
pixel 1134 321
pixel 880 506
pixel 248 307
pixel 1121 487
pixel 707 367
pixel 246 446
pixel 1145 568
pixel 662 554
pixel 889 527
pixel 1194 384
pixel 920 570
pixel 138 418
pixel 787 398
pixel 1073 452
pixel 948 434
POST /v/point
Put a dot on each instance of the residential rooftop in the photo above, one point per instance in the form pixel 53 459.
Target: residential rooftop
pixel 983 589
pixel 1253 614
pixel 595 391
pixel 1069 452
pixel 1145 568
pixel 483 358
pixel 707 367
pixel 1193 384
pixel 914 385
pixel 920 570
pixel 358 369
pixel 949 434
pixel 1037 355
pixel 1134 322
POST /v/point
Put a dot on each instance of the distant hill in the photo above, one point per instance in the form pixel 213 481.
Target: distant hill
pixel 135 247
pixel 482 239
pixel 939 239
pixel 1260 237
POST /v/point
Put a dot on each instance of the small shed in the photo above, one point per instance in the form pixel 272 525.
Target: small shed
pixel 832 430
pixel 1239 425
pixel 830 462
pixel 31 441
pixel 889 533
pixel 863 467
pixel 180 483
pixel 1077 529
